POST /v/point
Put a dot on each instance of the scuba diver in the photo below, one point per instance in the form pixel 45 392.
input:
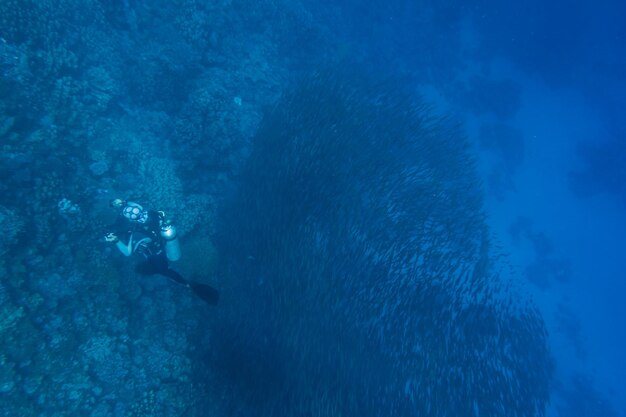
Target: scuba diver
pixel 150 234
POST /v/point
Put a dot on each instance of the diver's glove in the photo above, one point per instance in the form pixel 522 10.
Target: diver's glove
pixel 111 237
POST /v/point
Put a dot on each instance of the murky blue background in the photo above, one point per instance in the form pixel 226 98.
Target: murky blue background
pixel 160 102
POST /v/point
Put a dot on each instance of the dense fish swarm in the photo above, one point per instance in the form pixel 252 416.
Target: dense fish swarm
pixel 358 275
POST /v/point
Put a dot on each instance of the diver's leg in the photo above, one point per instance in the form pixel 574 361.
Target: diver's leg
pixel 154 264
pixel 162 268
pixel 158 263
pixel 174 276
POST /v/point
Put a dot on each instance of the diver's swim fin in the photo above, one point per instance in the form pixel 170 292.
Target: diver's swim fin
pixel 205 292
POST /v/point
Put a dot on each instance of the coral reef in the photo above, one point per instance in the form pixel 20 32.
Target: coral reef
pixel 99 100
pixel 12 226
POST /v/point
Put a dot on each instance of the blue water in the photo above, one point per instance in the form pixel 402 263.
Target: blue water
pixel 287 199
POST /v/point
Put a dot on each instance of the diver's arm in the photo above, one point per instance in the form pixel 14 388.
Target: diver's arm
pixel 126 248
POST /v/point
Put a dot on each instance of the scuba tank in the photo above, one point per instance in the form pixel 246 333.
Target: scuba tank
pixel 172 246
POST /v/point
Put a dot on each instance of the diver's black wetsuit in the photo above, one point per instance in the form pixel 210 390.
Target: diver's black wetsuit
pixel 145 232
pixel 149 243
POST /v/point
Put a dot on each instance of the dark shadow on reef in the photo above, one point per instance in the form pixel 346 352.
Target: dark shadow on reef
pixel 358 277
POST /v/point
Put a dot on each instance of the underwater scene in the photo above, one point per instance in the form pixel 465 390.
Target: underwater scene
pixel 312 208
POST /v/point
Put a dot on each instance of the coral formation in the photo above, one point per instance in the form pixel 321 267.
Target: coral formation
pixel 93 93
pixel 12 225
